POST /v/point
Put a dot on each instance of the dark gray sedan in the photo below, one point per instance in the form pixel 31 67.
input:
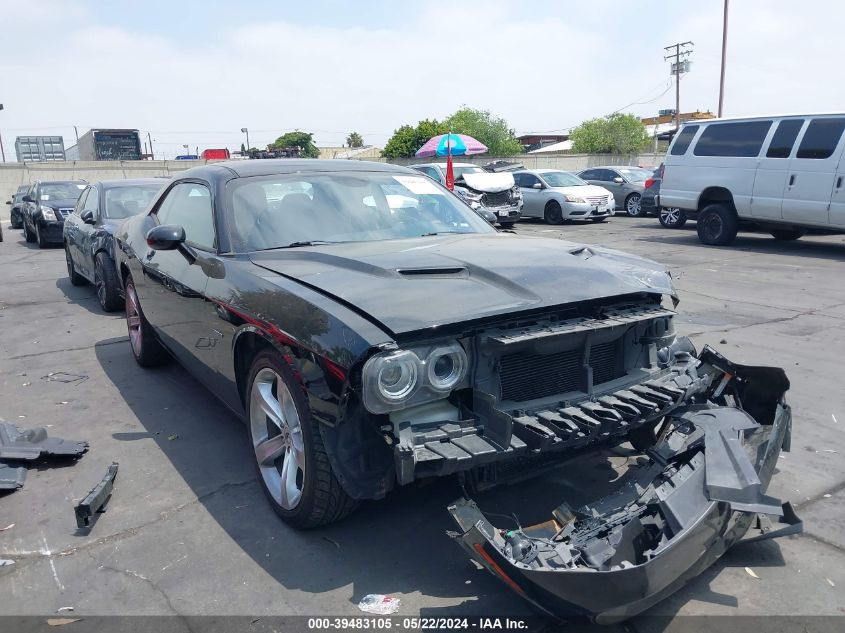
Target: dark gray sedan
pixel 625 182
pixel 88 233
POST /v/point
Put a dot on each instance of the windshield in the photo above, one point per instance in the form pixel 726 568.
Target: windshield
pixel 561 179
pixel 122 202
pixel 459 171
pixel 292 209
pixel 60 190
pixel 635 174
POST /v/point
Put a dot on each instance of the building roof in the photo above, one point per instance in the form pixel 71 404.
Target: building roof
pixel 563 146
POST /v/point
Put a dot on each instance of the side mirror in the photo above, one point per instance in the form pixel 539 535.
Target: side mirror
pixel 87 217
pixel 618 180
pixel 8 202
pixel 170 237
pixel 537 185
pixel 27 199
pixel 166 237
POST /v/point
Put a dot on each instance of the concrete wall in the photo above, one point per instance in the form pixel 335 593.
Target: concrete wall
pixel 566 162
pixel 12 175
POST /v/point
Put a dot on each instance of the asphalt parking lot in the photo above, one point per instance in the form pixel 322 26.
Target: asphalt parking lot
pixel 188 532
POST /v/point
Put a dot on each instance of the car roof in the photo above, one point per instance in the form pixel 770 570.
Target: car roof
pixel 443 165
pixel 760 117
pixel 272 166
pixel 617 167
pixel 132 182
pixel 61 182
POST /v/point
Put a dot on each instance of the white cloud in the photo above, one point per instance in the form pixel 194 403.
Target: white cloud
pixel 540 69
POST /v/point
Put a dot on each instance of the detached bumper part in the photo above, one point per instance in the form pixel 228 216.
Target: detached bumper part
pixel 698 492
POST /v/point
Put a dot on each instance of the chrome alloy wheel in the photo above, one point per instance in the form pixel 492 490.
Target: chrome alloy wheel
pixel 277 438
pixel 133 319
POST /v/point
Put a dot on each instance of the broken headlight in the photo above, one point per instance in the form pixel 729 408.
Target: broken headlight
pixel 397 379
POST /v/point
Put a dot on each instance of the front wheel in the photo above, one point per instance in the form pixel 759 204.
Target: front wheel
pixel 717 225
pixel 28 235
pixel 633 206
pixel 75 278
pixel 553 213
pixel 672 217
pixel 39 236
pixel 506 225
pixel 146 349
pixel 105 280
pixel 293 467
pixel 786 235
pixel 16 221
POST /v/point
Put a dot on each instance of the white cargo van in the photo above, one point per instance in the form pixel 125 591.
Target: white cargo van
pixel 783 174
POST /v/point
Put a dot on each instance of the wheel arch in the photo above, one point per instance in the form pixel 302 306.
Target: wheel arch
pixel 716 195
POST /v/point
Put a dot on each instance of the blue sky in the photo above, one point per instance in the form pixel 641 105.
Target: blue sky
pixel 196 72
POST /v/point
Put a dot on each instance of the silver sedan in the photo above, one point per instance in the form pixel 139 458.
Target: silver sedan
pixel 556 196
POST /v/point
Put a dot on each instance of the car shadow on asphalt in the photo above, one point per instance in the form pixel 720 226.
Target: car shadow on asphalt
pixel 755 242
pixel 85 296
pixel 395 545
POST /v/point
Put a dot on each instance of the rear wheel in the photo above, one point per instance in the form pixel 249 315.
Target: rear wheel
pixel 105 280
pixel 293 467
pixel 717 225
pixel 786 235
pixel 146 349
pixel 75 278
pixel 553 213
pixel 633 206
pixel 16 220
pixel 672 217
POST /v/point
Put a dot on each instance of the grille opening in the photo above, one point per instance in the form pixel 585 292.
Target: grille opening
pixel 528 376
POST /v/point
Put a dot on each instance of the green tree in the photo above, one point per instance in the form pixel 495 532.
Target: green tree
pixel 355 140
pixel 483 126
pixel 303 140
pixel 613 134
pixel 406 140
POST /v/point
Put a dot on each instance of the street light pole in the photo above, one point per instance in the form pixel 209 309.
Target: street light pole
pixel 2 151
pixel 724 58
pixel 246 131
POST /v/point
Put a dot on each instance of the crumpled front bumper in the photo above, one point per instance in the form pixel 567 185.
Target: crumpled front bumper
pixel 699 490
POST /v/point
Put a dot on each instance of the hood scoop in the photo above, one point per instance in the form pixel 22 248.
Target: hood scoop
pixel 431 271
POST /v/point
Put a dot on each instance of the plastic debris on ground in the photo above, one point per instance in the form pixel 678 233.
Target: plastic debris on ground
pixel 30 445
pixel 751 573
pixel 11 477
pixel 379 604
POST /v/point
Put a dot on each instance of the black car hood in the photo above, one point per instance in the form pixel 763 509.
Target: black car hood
pixel 415 284
pixel 64 203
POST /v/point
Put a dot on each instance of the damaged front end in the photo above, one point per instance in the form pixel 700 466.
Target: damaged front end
pixel 696 490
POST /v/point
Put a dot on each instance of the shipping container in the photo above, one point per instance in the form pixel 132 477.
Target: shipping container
pixel 216 154
pixel 32 149
pixel 107 145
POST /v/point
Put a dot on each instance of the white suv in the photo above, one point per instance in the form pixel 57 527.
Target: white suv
pixel 780 173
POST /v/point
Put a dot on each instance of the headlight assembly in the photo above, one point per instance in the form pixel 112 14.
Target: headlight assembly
pixel 48 213
pixel 397 379
pixel 575 199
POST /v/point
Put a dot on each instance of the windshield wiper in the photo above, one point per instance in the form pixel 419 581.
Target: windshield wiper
pixel 303 243
pixel 440 233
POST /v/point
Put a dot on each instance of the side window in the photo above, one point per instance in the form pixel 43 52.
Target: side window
pixel 784 138
pixel 529 180
pixel 189 204
pixel 590 174
pixel 821 138
pixel 743 138
pixel 431 172
pixel 77 209
pixel 91 202
pixel 683 140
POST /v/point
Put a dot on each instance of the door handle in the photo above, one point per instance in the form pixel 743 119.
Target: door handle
pixel 839 182
pixel 791 180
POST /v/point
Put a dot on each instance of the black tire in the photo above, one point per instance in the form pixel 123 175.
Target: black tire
pixel 42 243
pixel 672 217
pixel 506 225
pixel 28 235
pixel 322 499
pixel 16 220
pixel 633 205
pixel 146 348
pixel 75 278
pixel 717 225
pixel 553 214
pixel 786 235
pixel 106 283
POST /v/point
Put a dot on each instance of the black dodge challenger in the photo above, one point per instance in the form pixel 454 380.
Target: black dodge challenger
pixel 372 330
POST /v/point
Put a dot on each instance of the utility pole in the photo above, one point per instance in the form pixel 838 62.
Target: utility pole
pixel 2 151
pixel 682 50
pixel 246 131
pixel 152 155
pixel 76 133
pixel 724 58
